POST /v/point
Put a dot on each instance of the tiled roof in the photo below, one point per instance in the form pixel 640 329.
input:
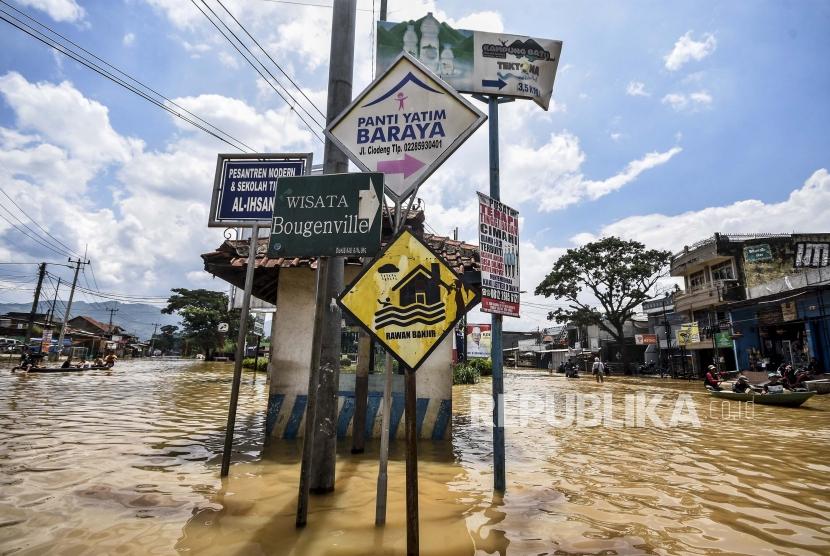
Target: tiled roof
pixel 229 260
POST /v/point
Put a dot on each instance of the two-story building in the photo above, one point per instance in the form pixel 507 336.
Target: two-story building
pixel 754 300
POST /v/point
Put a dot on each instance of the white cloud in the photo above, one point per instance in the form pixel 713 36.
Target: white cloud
pixel 806 204
pixel 692 101
pixel 480 21
pixel 128 39
pixel 637 89
pixel 58 10
pixel 687 49
pixel 158 213
pixel 228 60
pixel 550 176
pixel 63 116
pixel 615 136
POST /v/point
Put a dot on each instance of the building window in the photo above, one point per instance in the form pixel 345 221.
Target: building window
pixel 723 271
pixel 697 280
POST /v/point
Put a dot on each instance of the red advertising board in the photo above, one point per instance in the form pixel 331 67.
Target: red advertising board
pixel 498 240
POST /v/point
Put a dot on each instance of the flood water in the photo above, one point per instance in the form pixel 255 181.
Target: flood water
pixel 127 462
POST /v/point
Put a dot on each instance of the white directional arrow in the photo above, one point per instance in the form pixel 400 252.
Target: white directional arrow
pixel 368 205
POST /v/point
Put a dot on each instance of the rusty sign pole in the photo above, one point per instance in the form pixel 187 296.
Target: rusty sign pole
pixel 240 343
pixel 383 462
pixel 410 395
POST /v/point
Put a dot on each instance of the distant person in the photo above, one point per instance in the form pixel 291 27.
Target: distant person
pixel 710 381
pixel 68 363
pixel 598 369
pixel 110 360
pixel 774 386
pixel 741 385
pixel 98 362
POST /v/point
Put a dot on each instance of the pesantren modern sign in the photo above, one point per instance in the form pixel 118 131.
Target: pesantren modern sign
pixel 245 184
pixel 327 216
pixel 404 124
pixel 474 61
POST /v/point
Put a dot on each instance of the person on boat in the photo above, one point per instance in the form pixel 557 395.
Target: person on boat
pixel 598 369
pixel 68 363
pixel 84 364
pixel 741 385
pixel 774 386
pixel 98 362
pixel 710 381
pixel 110 360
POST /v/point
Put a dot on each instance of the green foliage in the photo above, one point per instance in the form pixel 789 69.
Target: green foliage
pixel 465 373
pixel 345 361
pixel 618 273
pixel 484 366
pixel 261 363
pixel 201 312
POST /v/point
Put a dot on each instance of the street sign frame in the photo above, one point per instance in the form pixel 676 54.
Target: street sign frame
pixel 218 184
pixel 378 337
pixel 309 186
pixel 431 166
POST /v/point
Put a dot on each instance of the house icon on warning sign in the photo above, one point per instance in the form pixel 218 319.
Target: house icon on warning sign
pixel 418 299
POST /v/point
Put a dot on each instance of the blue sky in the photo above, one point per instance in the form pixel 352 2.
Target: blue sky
pixel 671 120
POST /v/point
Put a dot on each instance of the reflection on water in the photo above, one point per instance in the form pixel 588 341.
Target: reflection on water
pixel 127 461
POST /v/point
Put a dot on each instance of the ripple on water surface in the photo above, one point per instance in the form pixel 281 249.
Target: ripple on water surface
pixel 127 461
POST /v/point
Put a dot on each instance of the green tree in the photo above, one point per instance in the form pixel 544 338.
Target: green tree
pixel 618 273
pixel 201 312
pixel 167 339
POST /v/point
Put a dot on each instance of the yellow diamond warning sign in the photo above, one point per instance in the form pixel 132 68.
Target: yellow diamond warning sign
pixel 409 299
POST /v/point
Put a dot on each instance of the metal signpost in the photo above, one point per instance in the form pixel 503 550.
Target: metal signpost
pixel 409 300
pixel 243 196
pixel 331 215
pixel 496 68
pixel 404 124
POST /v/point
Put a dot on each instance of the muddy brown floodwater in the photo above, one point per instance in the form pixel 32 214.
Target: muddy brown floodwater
pixel 127 462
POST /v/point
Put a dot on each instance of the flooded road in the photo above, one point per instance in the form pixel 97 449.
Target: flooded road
pixel 127 462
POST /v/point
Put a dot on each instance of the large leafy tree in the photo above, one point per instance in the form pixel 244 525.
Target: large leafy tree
pixel 201 312
pixel 616 272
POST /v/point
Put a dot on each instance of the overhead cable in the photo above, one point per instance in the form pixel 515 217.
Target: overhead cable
pixel 250 63
pixel 55 45
pixel 256 42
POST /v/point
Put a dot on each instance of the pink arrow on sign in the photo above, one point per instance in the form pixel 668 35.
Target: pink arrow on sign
pixel 408 166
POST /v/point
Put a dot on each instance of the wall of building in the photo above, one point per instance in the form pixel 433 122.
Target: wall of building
pixel 291 341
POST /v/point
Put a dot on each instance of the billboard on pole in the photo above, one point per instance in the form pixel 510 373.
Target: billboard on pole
pixel 498 240
pixel 405 124
pixel 474 61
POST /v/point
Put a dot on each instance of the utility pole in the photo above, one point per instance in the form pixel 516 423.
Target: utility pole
pixel 54 302
pixel 111 311
pixel 40 274
pixel 78 264
pixel 320 442
pixel 153 337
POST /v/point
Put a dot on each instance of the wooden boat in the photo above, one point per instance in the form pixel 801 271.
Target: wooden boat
pixel 787 399
pixel 57 369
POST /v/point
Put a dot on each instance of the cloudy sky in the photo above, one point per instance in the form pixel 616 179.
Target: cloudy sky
pixel 669 121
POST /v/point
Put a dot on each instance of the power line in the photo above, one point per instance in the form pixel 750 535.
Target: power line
pixel 34 238
pixel 307 125
pixel 33 221
pixel 275 62
pixel 52 43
